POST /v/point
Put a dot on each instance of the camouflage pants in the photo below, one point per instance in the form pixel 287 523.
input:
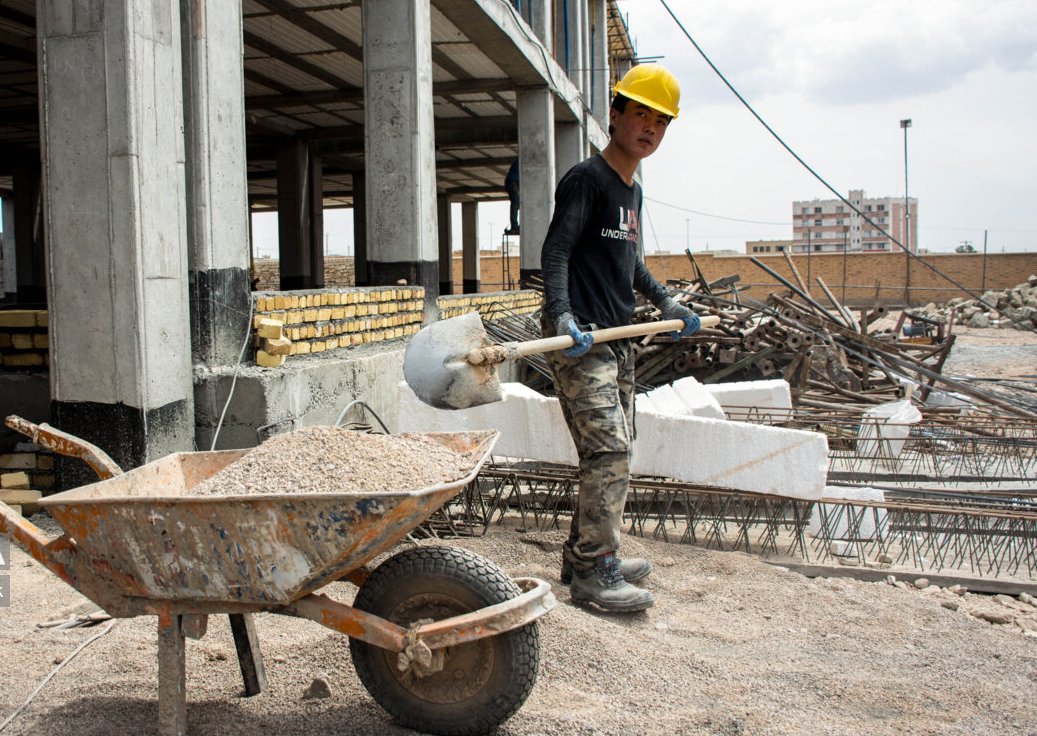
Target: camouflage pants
pixel 596 393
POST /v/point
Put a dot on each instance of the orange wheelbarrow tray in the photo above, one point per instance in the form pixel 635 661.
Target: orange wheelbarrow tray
pixel 134 544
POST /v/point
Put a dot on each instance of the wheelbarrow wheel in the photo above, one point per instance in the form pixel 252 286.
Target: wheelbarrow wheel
pixel 480 684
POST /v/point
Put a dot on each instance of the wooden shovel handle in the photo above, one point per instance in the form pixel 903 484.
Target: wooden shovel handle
pixel 513 350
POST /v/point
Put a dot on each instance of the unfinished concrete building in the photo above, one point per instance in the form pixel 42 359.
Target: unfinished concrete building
pixel 137 137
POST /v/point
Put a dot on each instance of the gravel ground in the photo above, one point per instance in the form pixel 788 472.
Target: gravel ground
pixel 733 646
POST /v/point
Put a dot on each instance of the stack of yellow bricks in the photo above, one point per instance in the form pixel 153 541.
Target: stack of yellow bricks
pixel 23 478
pixel 490 306
pixel 23 339
pixel 339 318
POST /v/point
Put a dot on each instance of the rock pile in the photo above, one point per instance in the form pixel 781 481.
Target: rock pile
pixel 1018 303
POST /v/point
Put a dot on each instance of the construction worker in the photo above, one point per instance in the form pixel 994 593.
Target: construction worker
pixel 511 186
pixel 591 266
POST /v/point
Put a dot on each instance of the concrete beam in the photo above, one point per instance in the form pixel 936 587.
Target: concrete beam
pixel 499 31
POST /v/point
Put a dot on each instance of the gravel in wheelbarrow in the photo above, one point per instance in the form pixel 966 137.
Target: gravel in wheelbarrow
pixel 336 460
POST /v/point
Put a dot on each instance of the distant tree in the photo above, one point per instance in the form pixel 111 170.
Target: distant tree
pixel 965 248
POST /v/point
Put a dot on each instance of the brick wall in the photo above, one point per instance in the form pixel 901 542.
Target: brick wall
pixel 321 320
pixel 23 339
pixel 870 277
pixel 489 304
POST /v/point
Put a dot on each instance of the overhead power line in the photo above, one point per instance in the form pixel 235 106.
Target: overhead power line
pixel 718 217
pixel 828 186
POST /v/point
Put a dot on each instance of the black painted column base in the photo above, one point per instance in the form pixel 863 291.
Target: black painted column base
pixel 470 286
pixel 220 307
pixel 130 436
pixel 446 288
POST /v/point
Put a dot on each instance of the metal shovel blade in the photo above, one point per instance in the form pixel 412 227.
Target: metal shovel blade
pixel 435 369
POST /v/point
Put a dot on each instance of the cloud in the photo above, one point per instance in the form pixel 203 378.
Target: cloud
pixel 840 53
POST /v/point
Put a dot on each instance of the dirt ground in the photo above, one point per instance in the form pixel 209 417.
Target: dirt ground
pixel 733 646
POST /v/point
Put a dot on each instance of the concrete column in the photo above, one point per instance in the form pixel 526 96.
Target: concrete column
pixel 570 36
pixel 361 275
pixel 399 145
pixel 470 246
pixel 28 232
pixel 536 172
pixel 300 217
pixel 570 147
pixel 9 278
pixel 111 113
pixel 600 95
pixel 540 21
pixel 217 203
pixel 585 50
pixel 446 245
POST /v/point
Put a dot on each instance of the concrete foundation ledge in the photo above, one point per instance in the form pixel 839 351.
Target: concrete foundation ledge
pixel 310 390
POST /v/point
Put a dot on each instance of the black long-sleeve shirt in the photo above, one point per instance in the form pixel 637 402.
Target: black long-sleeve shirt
pixel 590 259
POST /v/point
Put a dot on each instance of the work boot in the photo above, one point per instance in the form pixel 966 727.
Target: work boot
pixel 632 569
pixel 606 588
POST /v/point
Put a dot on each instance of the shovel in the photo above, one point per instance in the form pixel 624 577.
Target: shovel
pixel 452 364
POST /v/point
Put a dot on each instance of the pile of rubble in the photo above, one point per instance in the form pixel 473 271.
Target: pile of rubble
pixel 834 359
pixel 1012 308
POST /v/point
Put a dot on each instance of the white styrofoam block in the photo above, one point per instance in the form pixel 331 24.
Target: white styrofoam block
pixel 531 425
pixel 771 399
pixel 699 400
pixel 666 401
pixel 747 457
pixel 885 428
pixel 643 404
pixel 839 518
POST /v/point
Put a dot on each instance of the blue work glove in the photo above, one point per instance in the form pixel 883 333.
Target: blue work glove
pixel 672 310
pixel 566 325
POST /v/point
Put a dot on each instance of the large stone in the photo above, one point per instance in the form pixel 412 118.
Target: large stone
pixel 979 319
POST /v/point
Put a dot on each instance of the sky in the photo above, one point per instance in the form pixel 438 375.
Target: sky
pixel 833 80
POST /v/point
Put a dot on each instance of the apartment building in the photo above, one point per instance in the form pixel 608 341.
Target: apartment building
pixel 827 225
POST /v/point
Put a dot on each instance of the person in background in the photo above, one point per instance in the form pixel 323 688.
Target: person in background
pixel 591 266
pixel 511 186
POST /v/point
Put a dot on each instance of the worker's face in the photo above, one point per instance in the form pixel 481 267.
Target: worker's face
pixel 639 129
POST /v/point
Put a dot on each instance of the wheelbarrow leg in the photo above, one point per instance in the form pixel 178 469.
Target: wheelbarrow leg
pixel 172 677
pixel 249 657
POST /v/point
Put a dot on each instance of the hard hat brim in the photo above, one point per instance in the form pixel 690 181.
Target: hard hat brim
pixel 645 101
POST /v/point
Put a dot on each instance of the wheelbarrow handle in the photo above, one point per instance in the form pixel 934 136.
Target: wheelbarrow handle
pixel 52 553
pixel 66 444
pixel 513 350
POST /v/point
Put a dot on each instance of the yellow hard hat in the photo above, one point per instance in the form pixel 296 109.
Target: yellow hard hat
pixel 652 85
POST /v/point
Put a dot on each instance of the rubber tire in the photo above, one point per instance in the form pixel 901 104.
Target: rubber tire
pixel 462 581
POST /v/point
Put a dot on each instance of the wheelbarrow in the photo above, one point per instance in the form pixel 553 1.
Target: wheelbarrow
pixel 441 638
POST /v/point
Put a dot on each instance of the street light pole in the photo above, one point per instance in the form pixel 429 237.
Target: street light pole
pixel 905 124
pixel 846 229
